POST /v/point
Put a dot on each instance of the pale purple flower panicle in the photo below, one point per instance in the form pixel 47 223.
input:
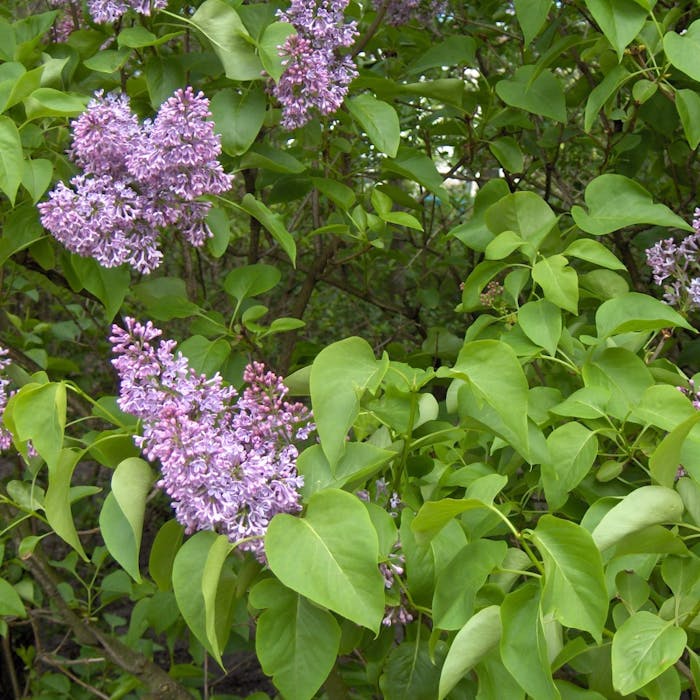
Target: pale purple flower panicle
pixel 111 10
pixel 5 437
pixel 400 12
pixel 676 267
pixel 228 463
pixel 103 11
pixel 316 76
pixel 137 180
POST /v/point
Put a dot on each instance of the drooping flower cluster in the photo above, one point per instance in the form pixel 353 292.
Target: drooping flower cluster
pixel 228 463
pixel 400 12
pixel 676 267
pixel 396 610
pixel 103 11
pixel 5 437
pixel 316 75
pixel 137 180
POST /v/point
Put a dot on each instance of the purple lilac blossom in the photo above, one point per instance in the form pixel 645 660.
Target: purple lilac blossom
pixel 400 12
pixel 228 463
pixel 676 267
pixel 316 77
pixel 5 437
pixel 103 11
pixel 137 180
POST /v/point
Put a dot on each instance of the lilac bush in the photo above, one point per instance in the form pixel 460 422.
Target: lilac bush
pixel 137 180
pixel 316 75
pixel 676 267
pixel 228 462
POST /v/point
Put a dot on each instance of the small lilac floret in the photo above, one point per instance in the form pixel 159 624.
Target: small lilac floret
pixel 228 462
pixel 137 180
pixel 316 76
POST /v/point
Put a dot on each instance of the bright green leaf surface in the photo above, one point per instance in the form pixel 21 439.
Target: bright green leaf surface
pixel 330 556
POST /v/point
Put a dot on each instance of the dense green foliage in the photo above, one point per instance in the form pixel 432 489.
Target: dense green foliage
pixel 451 272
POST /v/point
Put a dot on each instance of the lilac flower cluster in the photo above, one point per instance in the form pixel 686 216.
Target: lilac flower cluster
pixel 316 77
pixel 400 12
pixel 228 463
pixel 137 180
pixel 111 10
pixel 5 437
pixel 397 607
pixel 676 267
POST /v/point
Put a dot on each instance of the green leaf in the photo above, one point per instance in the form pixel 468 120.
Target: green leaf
pixel 251 280
pixel 615 201
pixel 337 192
pixel 647 505
pixel 205 356
pixel 434 515
pixel 340 374
pixel 109 285
pixel 121 518
pixel 453 51
pixel 338 543
pixel 572 451
pixel 524 213
pixel 541 323
pixel 36 177
pixel 409 672
pixel 57 504
pixel 474 233
pixel 684 50
pixel 38 413
pixel 238 117
pixel 574 584
pixel 416 166
pixel 642 649
pixel 664 462
pixel 272 222
pixel 199 581
pixel 495 377
pixel 163 550
pixel 232 43
pixel 48 102
pixel 165 298
pixel 620 21
pixel 531 14
pixel 507 152
pixel 274 36
pixel 594 252
pixel 264 156
pixel 477 638
pixel 10 602
pixel 107 61
pixel 360 461
pixel 296 641
pixel 503 245
pixel 523 645
pixel 688 106
pixel 11 158
pixel 459 582
pixel 379 120
pixel 138 37
pixel 540 93
pixel 219 225
pixel 602 92
pixel 559 282
pixel 636 312
pixel 218 552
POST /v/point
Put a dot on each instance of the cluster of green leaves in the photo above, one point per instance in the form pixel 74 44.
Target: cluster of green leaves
pixel 478 212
